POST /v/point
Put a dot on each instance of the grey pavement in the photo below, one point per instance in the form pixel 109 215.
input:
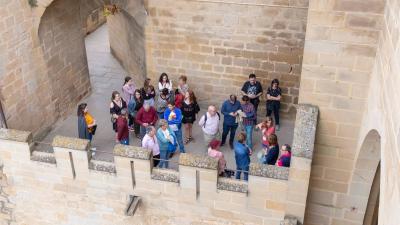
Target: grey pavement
pixel 107 75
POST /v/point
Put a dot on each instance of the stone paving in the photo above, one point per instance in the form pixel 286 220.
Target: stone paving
pixel 106 75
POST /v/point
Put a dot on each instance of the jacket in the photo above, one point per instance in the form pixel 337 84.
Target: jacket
pixel 149 117
pixel 162 104
pixel 242 155
pixel 122 128
pixel 228 107
pixel 177 120
pixel 83 131
pixel 272 155
pixel 162 141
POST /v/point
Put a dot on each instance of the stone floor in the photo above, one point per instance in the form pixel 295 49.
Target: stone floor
pixel 107 75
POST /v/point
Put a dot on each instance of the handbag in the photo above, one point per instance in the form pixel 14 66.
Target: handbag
pixel 93 129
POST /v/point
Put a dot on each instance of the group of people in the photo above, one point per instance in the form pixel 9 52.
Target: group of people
pixel 140 110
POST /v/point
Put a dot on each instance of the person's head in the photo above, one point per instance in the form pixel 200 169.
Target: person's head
pixel 82 109
pixel 124 112
pixel 275 83
pixel 146 82
pixel 182 80
pixel 128 80
pixel 212 110
pixel 115 96
pixel 164 91
pixel 252 78
pixel 245 99
pixel 268 122
pixel 286 149
pixel 241 137
pixel 190 95
pixel 232 99
pixel 177 92
pixel 146 107
pixel 150 88
pixel 151 131
pixel 137 95
pixel 215 144
pixel 164 78
pixel 163 124
pixel 171 106
pixel 272 139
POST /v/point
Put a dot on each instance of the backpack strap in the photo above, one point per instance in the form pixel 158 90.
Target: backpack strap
pixel 205 120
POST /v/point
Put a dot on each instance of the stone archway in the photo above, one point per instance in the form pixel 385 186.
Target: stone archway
pixel 365 182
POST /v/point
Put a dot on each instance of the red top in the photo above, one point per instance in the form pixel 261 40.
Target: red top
pixel 122 128
pixel 179 100
pixel 266 133
pixel 149 117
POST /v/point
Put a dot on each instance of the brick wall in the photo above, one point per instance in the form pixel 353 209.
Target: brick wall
pixel 218 44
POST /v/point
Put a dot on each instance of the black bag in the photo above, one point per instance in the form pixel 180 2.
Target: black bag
pixel 94 129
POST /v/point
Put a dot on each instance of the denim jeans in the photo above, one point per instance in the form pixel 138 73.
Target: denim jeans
pixel 245 171
pixel 125 141
pixel 163 158
pixel 178 135
pixel 225 130
pixel 249 136
pixel 142 131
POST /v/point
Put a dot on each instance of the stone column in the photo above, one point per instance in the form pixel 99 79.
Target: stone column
pixel 14 148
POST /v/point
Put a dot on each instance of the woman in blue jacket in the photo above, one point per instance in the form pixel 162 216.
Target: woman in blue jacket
pixel 173 116
pixel 242 156
pixel 165 137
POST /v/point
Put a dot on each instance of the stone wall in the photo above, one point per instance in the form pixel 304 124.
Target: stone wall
pixel 92 14
pixel 127 41
pixel 349 70
pixel 217 44
pixel 66 191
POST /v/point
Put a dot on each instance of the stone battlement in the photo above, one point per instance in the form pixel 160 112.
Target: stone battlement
pixel 193 193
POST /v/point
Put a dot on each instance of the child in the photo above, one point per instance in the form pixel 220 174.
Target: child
pixel 286 154
pixel 122 128
pixel 267 128
pixel 179 97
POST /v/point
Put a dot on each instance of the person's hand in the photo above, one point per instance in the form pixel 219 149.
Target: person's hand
pixel 145 124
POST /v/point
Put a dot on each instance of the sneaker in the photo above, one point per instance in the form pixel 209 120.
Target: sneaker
pixel 93 151
pixel 277 128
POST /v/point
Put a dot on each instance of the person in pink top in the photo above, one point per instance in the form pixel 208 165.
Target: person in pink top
pixel 213 151
pixel 128 89
pixel 267 128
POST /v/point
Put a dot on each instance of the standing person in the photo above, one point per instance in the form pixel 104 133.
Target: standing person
pixel 183 87
pixel 86 123
pixel 242 156
pixel 189 110
pixel 122 127
pixel 128 89
pixel 249 120
pixel 267 128
pixel 209 123
pixel 165 137
pixel 164 82
pixel 162 102
pixel 146 116
pixel 133 107
pixel 229 110
pixel 273 151
pixel 150 142
pixel 116 105
pixel 173 116
pixel 253 89
pixel 284 160
pixel 274 101
pixel 148 92
pixel 213 151
pixel 179 97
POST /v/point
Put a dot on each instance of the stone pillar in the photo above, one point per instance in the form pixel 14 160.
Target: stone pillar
pixel 72 157
pixel 14 148
pixel 300 165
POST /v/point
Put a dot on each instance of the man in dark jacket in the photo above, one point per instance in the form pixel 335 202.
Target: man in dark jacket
pixel 229 110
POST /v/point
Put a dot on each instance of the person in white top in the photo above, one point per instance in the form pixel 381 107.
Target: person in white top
pixel 164 82
pixel 210 125
pixel 150 142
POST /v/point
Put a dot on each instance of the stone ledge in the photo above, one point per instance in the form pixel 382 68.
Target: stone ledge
pixel 15 135
pixel 289 220
pixel 165 175
pixel 70 143
pixel 102 166
pixel 130 151
pixel 270 171
pixel 229 184
pixel 206 162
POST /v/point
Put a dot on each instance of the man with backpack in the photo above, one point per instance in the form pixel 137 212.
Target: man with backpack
pixel 210 125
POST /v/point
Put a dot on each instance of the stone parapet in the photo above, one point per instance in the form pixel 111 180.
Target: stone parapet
pixel 15 135
pixel 132 152
pixel 270 171
pixel 229 184
pixel 204 162
pixel 165 175
pixel 304 131
pixel 71 143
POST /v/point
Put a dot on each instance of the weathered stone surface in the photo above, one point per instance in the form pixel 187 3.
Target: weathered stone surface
pixel 102 166
pixel 165 175
pixel 289 221
pixel 206 162
pixel 304 131
pixel 130 151
pixel 43 157
pixel 15 135
pixel 229 184
pixel 270 171
pixel 70 143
